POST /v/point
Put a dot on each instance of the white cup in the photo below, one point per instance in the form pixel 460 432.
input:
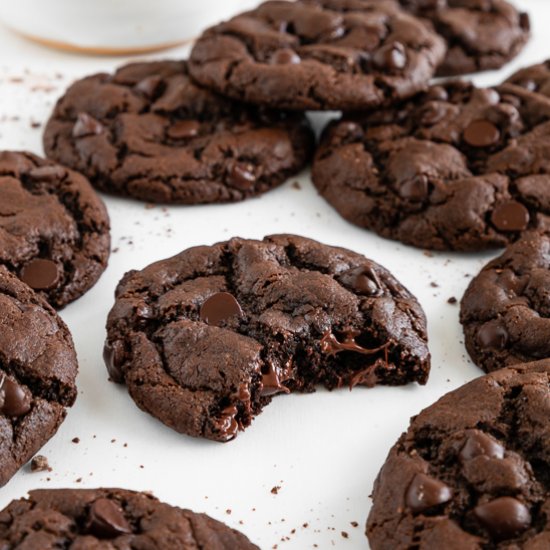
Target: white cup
pixel 115 26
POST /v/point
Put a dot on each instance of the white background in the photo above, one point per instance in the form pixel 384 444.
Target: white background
pixel 324 450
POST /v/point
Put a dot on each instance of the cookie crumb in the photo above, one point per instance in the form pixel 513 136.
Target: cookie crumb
pixel 428 254
pixel 354 524
pixel 275 490
pixel 76 440
pixel 345 535
pixel 452 300
pixel 296 185
pixel 40 464
pixel 229 511
pixel 433 284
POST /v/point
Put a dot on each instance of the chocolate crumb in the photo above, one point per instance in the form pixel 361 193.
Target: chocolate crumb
pixel 354 524
pixel 78 480
pixel 40 464
pixel 296 185
pixel 345 535
pixel 229 511
pixel 452 300
pixel 433 284
pixel 75 440
pixel 275 490
pixel 428 254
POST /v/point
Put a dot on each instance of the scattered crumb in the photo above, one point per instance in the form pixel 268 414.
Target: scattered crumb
pixel 75 440
pixel 428 254
pixel 345 535
pixel 79 480
pixel 452 300
pixel 40 464
pixel 35 124
pixel 115 250
pixel 296 185
pixel 229 511
pixel 354 524
pixel 433 284
pixel 275 490
pixel 113 440
pixel 305 525
pixel 125 445
pixel 149 205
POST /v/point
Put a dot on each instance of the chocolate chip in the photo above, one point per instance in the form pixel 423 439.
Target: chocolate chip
pixel 510 216
pixel 40 274
pixel 480 444
pixel 415 189
pixel 363 280
pixel 148 86
pixel 425 492
pixel 242 176
pixel 14 399
pixel 112 354
pixel 86 125
pixel 493 335
pixel 504 517
pixel 106 520
pixel 391 56
pixel 432 113
pixel 219 308
pixel 47 173
pixel 481 133
pixel 285 57
pixel 184 129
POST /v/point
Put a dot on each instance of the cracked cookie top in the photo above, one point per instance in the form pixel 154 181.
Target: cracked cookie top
pixel 38 368
pixel 471 472
pixel 505 310
pixel 54 229
pixel 110 519
pixel 480 34
pixel 148 132
pixel 456 168
pixel 318 54
pixel 535 78
pixel 203 340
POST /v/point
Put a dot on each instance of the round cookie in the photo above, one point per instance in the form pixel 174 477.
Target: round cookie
pixel 535 78
pixel 481 34
pixel 505 312
pixel 110 518
pixel 456 168
pixel 204 339
pixel 149 132
pixel 471 472
pixel 38 369
pixel 318 54
pixel 54 229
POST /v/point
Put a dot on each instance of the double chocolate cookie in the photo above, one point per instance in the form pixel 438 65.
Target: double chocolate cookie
pixel 471 472
pixel 149 132
pixel 318 54
pixel 89 519
pixel 203 340
pixel 456 168
pixel 54 229
pixel 38 368
pixel 480 34
pixel 505 310
pixel 535 78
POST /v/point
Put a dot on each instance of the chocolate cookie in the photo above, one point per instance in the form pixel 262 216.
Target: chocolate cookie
pixel 318 54
pixel 203 340
pixel 505 309
pixel 54 229
pixel 481 34
pixel 456 168
pixel 535 78
pixel 37 373
pixel 149 132
pixel 110 519
pixel 471 472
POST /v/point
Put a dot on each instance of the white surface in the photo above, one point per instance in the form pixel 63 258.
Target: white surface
pixel 325 449
pixel 117 24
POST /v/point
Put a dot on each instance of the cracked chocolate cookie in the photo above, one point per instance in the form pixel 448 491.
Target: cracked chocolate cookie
pixel 456 168
pixel 204 339
pixel 149 132
pixel 38 368
pixel 480 34
pixel 318 54
pixel 54 229
pixel 471 472
pixel 505 311
pixel 535 78
pixel 110 519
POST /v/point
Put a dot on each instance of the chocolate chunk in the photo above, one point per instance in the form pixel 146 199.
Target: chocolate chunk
pixel 504 517
pixel 425 492
pixel 161 138
pixel 481 133
pixel 14 399
pixel 86 125
pixel 242 177
pixel 493 335
pixel 481 444
pixel 40 274
pixel 323 55
pixel 415 189
pixel 219 308
pixel 510 216
pixel 112 353
pixel 362 280
pixel 106 519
